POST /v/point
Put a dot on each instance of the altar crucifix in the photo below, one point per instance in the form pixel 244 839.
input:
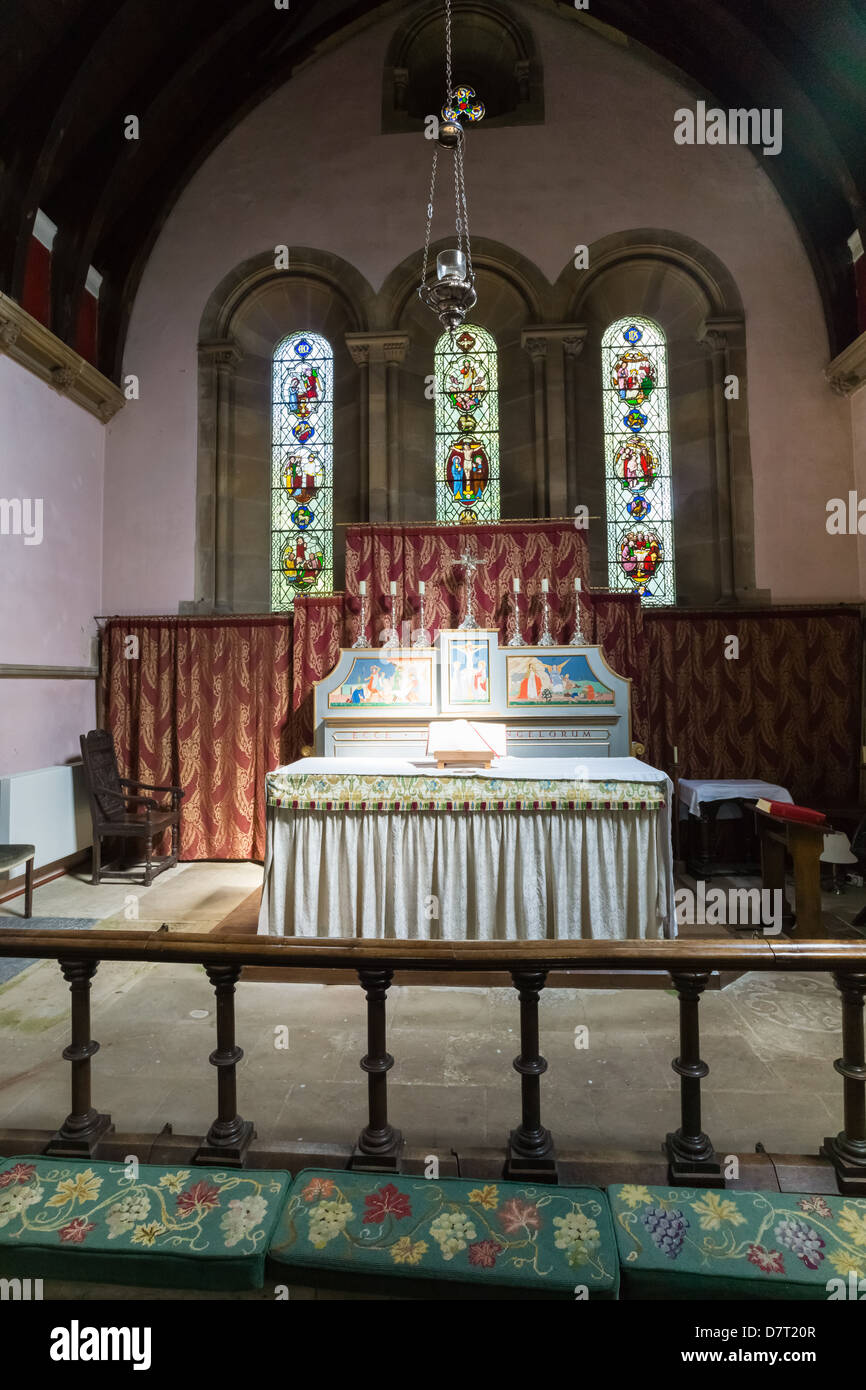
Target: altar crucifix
pixel 470 563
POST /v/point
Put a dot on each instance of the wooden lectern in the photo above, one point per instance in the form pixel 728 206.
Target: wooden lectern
pixel 805 843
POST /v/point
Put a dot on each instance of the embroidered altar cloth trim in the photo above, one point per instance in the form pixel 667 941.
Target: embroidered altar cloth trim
pixel 511 784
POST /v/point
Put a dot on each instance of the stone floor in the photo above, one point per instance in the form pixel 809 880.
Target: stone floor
pixel 770 1041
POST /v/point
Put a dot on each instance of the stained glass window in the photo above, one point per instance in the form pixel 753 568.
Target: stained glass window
pixel 467 427
pixel 302 461
pixel 637 450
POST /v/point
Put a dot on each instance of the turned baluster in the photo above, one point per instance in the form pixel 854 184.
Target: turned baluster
pixel 230 1135
pixel 379 1143
pixel 530 1147
pixel 690 1151
pixel 847 1151
pixel 83 1127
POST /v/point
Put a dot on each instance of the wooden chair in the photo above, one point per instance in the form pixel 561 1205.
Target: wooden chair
pixel 116 812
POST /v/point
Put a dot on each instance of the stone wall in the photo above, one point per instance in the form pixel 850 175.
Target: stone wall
pixel 310 168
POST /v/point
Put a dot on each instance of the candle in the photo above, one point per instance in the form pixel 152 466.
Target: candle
pixel 422 587
pixel 544 586
pixel 393 588
pixel 362 587
pixel 577 586
pixel 676 759
pixel 516 585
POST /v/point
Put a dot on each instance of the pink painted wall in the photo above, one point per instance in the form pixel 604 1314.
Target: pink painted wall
pixel 41 722
pixel 361 195
pixel 581 176
pixel 49 593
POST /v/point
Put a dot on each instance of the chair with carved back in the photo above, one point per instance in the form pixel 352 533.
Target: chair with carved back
pixel 118 810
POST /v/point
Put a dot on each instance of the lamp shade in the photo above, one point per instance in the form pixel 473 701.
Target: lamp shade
pixel 837 849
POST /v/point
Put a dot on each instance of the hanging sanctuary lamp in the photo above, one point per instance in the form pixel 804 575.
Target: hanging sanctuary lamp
pixel 451 294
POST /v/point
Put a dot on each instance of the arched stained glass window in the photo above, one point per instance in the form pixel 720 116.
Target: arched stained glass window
pixel 467 427
pixel 637 451
pixel 302 463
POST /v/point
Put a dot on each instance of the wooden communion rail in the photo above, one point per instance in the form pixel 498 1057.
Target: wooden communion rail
pixel 687 1154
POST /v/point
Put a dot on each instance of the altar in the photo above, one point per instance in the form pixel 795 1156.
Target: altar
pixel 567 836
pixel 532 849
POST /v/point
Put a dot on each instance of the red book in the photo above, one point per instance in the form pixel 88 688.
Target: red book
pixel 785 811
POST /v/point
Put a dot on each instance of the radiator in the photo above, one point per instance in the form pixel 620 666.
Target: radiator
pixel 47 808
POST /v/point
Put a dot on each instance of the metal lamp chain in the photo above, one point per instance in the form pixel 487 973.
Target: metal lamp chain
pixel 458 220
pixel 452 294
pixel 429 218
pixel 432 198
pixel 448 77
pixel 461 211
pixel 464 209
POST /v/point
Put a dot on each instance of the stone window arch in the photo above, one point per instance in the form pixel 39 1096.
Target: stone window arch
pixel 494 53
pixel 251 314
pixel 683 287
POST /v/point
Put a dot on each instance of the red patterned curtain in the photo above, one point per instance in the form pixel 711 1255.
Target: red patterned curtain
pixel 616 624
pixel 214 704
pixel 319 626
pixel 532 551
pixel 408 554
pixel 786 709
pixel 405 555
pixel 204 704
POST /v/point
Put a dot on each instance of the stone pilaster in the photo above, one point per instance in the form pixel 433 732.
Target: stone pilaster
pixel 217 362
pixel 571 338
pixel 554 349
pixel 724 338
pixel 379 356
pixel 360 352
pixel 534 342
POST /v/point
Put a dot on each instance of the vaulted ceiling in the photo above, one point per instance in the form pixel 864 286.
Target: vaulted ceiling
pixel 73 69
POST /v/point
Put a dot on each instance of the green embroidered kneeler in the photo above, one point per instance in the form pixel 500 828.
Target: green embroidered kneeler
pixel 164 1227
pixel 375 1229
pixel 677 1242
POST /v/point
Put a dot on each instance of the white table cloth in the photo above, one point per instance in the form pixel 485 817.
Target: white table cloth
pixel 593 861
pixel 692 792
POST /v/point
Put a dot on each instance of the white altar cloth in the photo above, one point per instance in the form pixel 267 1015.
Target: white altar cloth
pixel 692 792
pixel 595 864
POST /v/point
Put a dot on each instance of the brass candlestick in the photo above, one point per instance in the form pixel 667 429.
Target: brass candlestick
pixel 545 640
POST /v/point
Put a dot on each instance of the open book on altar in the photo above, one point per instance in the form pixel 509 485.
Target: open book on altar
pixel 453 742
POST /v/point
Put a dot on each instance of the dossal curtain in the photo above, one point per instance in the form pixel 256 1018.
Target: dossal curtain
pixel 215 704
pixel 781 703
pixel 205 704
pixel 408 555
